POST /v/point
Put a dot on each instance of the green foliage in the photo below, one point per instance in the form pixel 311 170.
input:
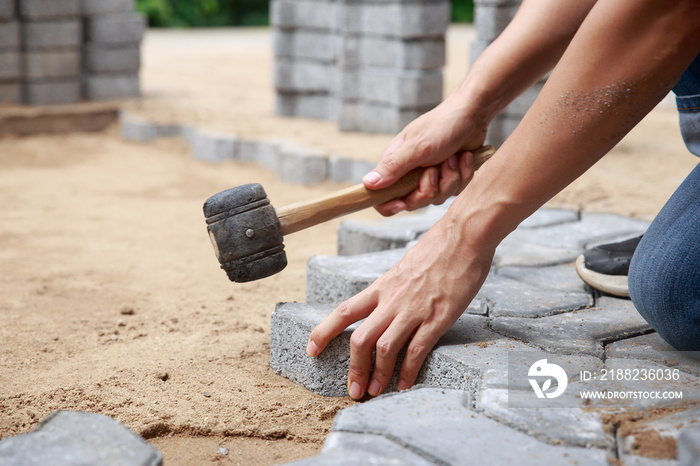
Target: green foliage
pixel 204 13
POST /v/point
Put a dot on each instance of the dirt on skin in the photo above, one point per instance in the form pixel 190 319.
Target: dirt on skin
pixel 112 300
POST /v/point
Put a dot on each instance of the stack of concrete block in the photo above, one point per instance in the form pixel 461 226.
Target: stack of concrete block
pixel 111 52
pixel 490 18
pixel 52 33
pixel 10 54
pixel 369 66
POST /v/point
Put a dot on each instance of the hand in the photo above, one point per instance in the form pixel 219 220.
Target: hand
pixel 439 139
pixel 416 302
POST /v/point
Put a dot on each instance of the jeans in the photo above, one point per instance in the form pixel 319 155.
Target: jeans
pixel 664 276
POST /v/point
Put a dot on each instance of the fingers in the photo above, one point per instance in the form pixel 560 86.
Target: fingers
pixel 391 166
pixel 387 351
pixel 416 352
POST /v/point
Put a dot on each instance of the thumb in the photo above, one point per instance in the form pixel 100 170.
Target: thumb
pixel 390 168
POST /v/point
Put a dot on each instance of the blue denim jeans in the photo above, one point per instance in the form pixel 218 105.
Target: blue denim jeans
pixel 664 277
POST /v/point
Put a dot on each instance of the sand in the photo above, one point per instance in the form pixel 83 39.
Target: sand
pixel 112 300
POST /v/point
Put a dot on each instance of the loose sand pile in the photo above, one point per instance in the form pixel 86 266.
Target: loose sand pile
pixel 111 298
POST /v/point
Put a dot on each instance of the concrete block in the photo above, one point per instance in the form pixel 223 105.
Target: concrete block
pixel 301 165
pixel 498 2
pixel 689 447
pixel 501 127
pixel 214 148
pixel 7 10
pixel 117 28
pixel 137 129
pixel 320 46
pixel 304 77
pixel 402 89
pixel 304 14
pixel 418 54
pixel 40 65
pixel 111 86
pixel 52 34
pixel 582 332
pixel 375 118
pixel 52 92
pixel 350 449
pixel 322 106
pixel 42 10
pixel 10 36
pixel 265 153
pixel 653 348
pixel 404 20
pixel 10 66
pixel 491 20
pixel 105 7
pixel 561 277
pixel 120 60
pixel 476 48
pixel 439 425
pixel 342 169
pixel 70 438
pixel 11 93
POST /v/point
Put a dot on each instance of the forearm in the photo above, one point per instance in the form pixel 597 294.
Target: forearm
pixel 625 57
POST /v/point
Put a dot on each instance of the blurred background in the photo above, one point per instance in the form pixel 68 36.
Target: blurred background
pixel 213 13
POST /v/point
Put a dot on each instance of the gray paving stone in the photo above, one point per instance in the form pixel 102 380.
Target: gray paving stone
pixel 317 105
pixel 689 447
pixel 652 347
pixel 375 118
pixel 438 425
pixel 405 20
pixel 417 54
pixel 10 66
pixel 41 9
pixel 76 438
pixel 52 92
pixel 212 147
pixel 308 44
pixel 104 7
pixel 10 35
pixel 555 277
pixel 11 92
pixel 358 237
pixel 580 332
pixel 491 20
pixel 107 86
pixel 7 10
pixel 265 153
pixel 52 35
pixel 301 165
pixel 295 76
pixel 103 59
pixel 137 129
pixel 402 89
pixel 350 449
pixel 117 28
pixel 293 14
pixel 42 65
pixel 344 169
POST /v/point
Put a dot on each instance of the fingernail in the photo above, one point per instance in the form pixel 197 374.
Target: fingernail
pixel 374 388
pixel 312 349
pixel 433 177
pixel 469 159
pixel 402 385
pixel 396 208
pixel 452 162
pixel 355 391
pixel 372 177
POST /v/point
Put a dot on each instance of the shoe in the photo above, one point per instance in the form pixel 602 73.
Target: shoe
pixel 605 267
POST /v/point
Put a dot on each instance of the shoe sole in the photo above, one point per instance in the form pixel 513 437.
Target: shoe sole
pixel 615 285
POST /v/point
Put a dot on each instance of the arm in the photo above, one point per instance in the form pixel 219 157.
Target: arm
pixel 527 49
pixel 625 57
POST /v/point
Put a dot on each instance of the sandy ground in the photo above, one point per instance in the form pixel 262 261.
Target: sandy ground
pixel 112 300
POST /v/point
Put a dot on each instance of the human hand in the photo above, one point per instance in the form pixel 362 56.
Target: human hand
pixel 441 140
pixel 416 302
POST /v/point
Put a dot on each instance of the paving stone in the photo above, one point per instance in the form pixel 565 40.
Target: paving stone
pixel 491 20
pixel 301 165
pixel 11 93
pixel 48 64
pixel 652 347
pixel 438 425
pixel 561 243
pixel 317 105
pixel 402 89
pixel 405 20
pixel 308 44
pixel 7 10
pixel 52 35
pixel 555 277
pixel 344 169
pixel 375 118
pixel 117 28
pixel 76 438
pixel 416 54
pixel 52 92
pixel 350 449
pixel 136 129
pixel 10 36
pixel 689 447
pixel 10 66
pixel 293 14
pixel 109 86
pixel 41 9
pixel 104 7
pixel 104 59
pixel 212 147
pixel 265 153
pixel 580 332
pixel 303 76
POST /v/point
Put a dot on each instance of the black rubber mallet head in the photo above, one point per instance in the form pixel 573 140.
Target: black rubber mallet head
pixel 247 232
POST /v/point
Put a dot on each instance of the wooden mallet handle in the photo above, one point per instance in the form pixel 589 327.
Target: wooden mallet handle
pixel 302 215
